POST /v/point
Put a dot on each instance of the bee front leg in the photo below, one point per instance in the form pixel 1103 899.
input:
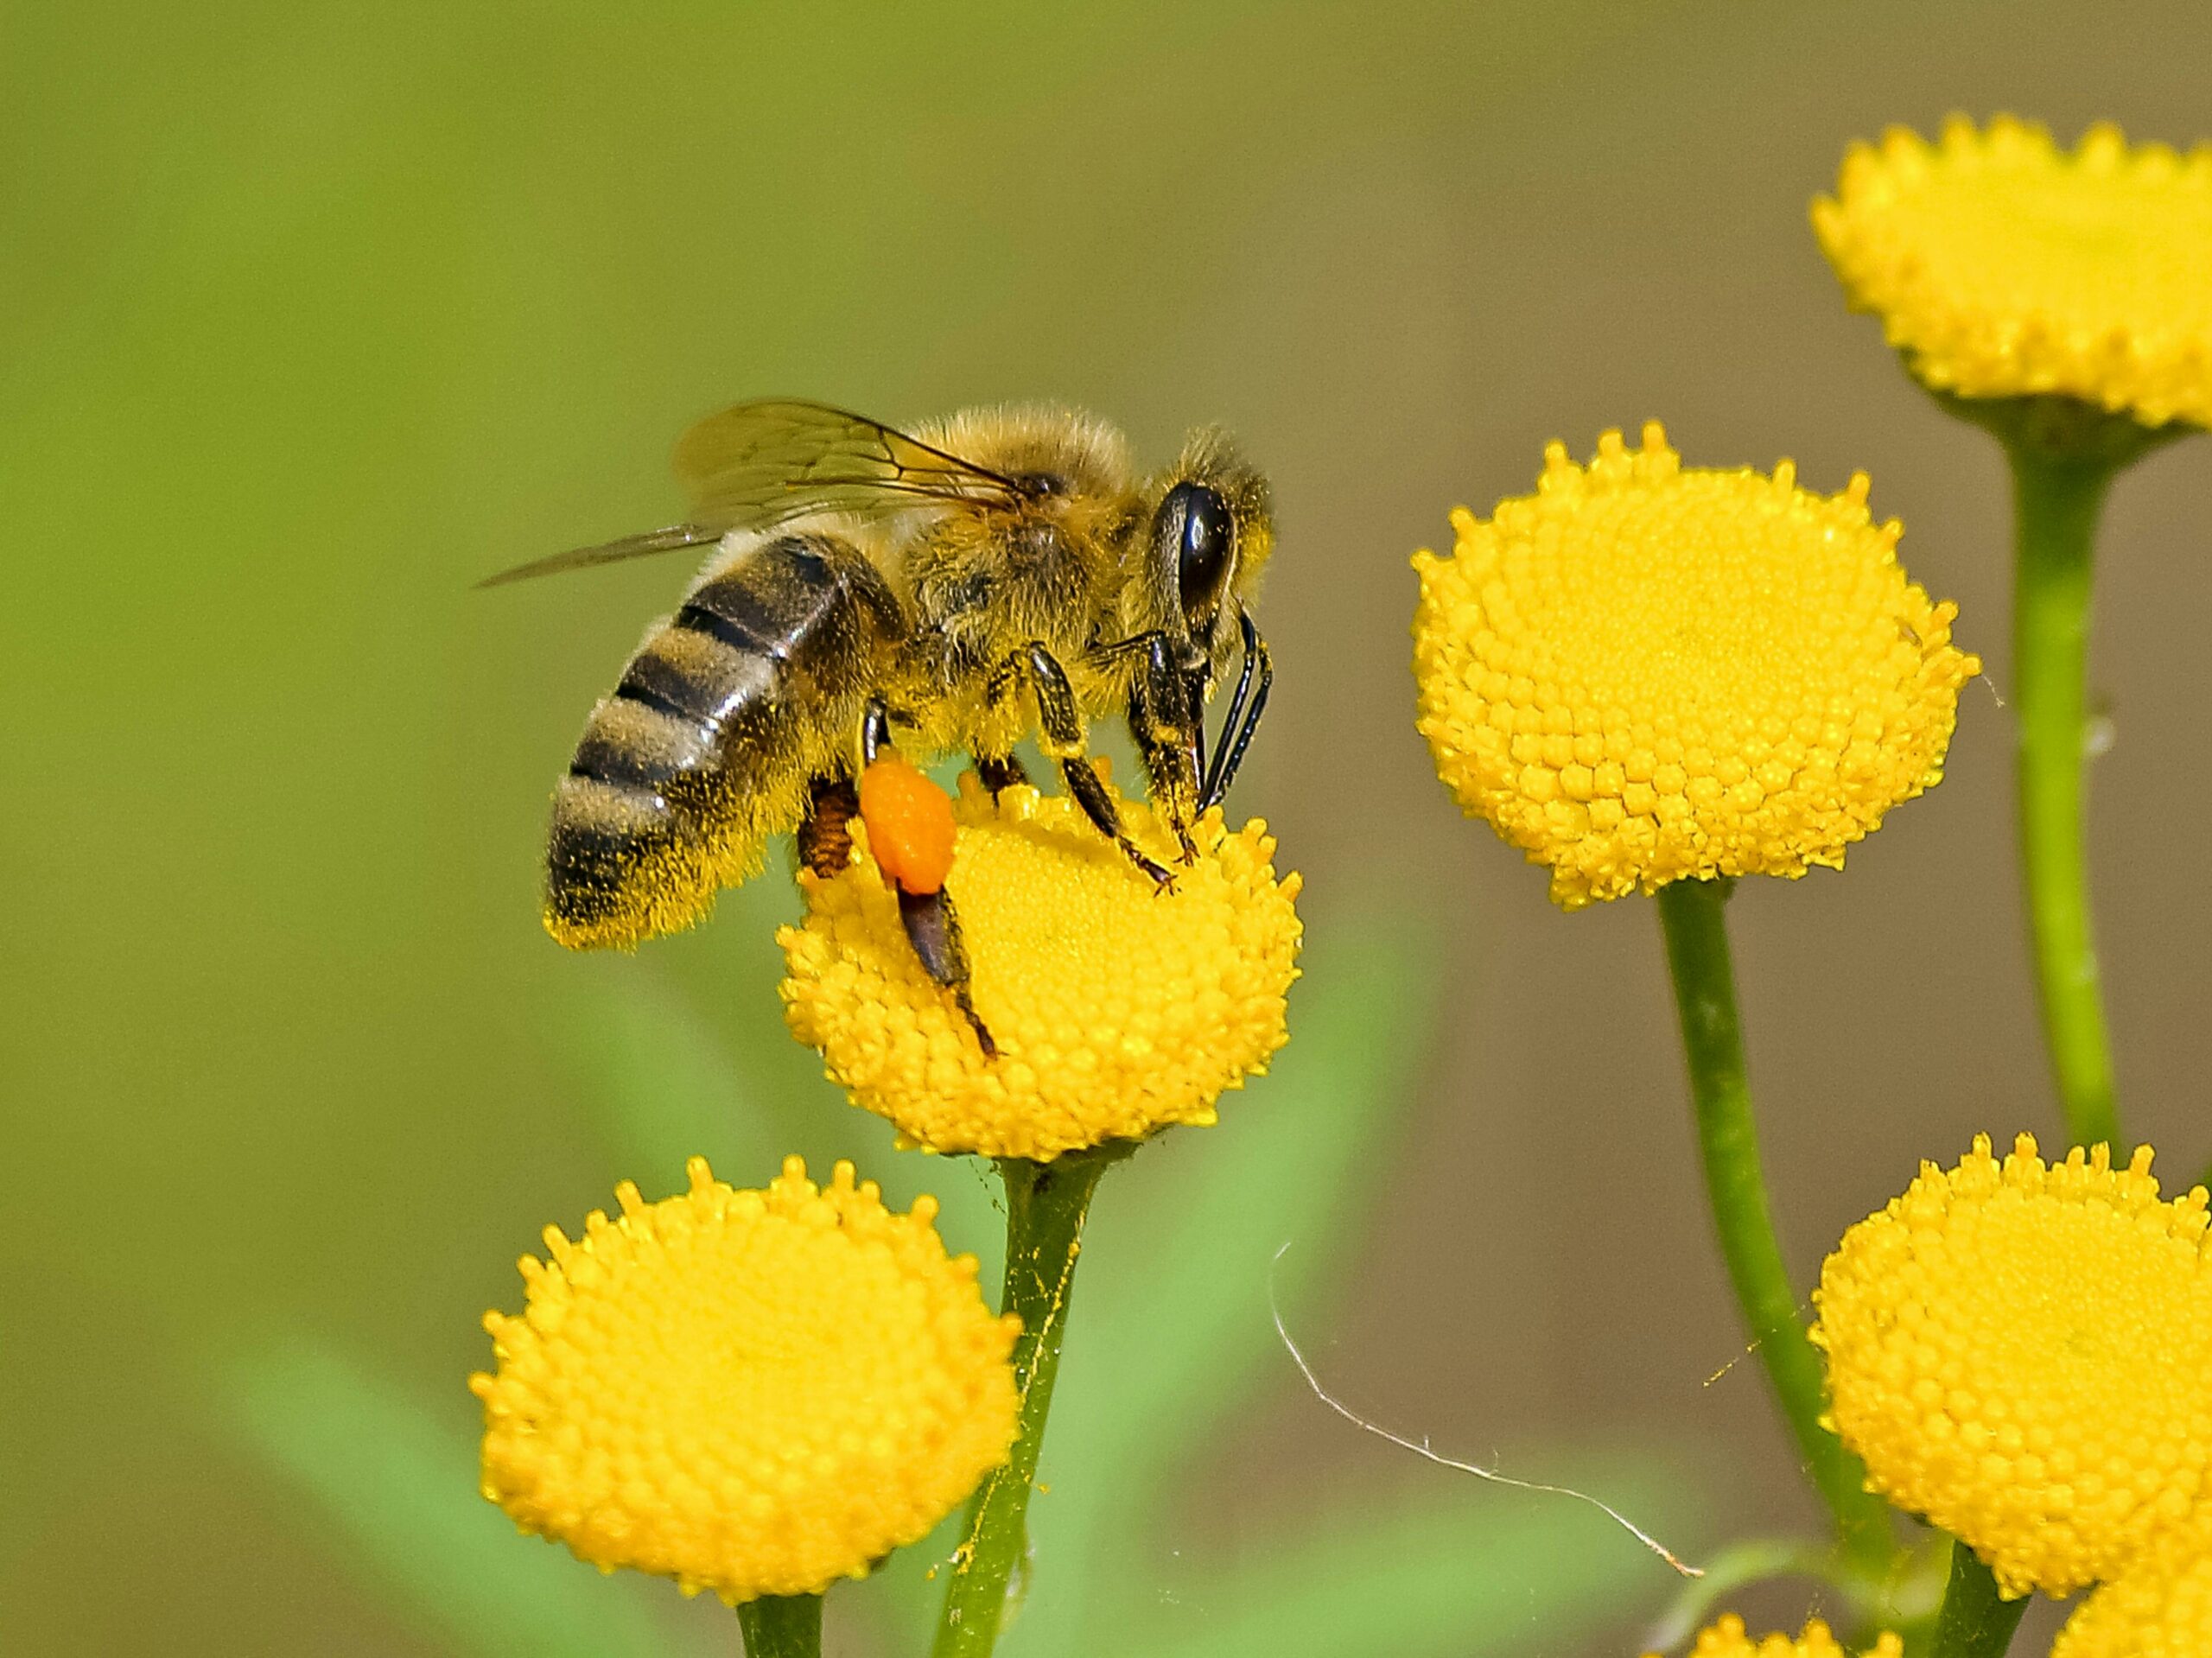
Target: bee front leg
pixel 1164 705
pixel 1060 724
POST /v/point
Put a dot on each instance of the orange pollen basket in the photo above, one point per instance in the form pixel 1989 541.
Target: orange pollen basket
pixel 909 824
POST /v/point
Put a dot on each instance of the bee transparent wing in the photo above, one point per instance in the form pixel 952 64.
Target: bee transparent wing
pixel 761 463
pixel 607 552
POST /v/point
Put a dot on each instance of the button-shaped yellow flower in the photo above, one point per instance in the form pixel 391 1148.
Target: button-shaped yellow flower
pixel 2002 266
pixel 2159 1606
pixel 756 1393
pixel 1643 672
pixel 1726 1639
pixel 1117 1007
pixel 2021 1352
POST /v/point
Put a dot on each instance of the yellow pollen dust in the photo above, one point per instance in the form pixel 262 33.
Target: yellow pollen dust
pixel 1118 1008
pixel 1645 673
pixel 756 1393
pixel 1727 1639
pixel 2021 1353
pixel 2159 1606
pixel 2003 266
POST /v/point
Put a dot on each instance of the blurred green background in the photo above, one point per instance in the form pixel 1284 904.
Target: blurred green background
pixel 312 315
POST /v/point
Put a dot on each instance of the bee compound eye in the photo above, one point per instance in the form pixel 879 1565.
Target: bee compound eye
pixel 1204 533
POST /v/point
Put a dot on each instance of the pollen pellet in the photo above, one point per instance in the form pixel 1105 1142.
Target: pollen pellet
pixel 910 826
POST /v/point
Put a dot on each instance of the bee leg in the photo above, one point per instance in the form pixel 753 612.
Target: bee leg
pixel 1059 723
pixel 1163 709
pixel 1098 806
pixel 1243 715
pixel 876 730
pixel 999 772
pixel 933 928
pixel 825 835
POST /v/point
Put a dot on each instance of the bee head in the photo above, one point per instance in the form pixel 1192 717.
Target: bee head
pixel 1210 533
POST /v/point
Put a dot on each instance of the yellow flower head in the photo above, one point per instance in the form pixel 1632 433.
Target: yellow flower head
pixel 1118 1008
pixel 751 1392
pixel 2021 1352
pixel 2002 266
pixel 1642 672
pixel 1726 1639
pixel 2159 1606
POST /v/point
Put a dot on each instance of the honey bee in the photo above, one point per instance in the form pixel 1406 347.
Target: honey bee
pixel 999 572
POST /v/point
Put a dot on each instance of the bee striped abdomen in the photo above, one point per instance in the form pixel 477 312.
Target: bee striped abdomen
pixel 708 743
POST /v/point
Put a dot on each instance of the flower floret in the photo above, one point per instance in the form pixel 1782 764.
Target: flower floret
pixel 1643 672
pixel 1727 1639
pixel 2021 1351
pixel 755 1393
pixel 1117 1007
pixel 2159 1606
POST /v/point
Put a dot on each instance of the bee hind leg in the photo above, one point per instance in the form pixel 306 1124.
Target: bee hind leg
pixel 931 924
pixel 825 834
pixel 933 928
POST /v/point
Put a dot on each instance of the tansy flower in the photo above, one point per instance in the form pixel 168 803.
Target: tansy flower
pixel 1726 1639
pixel 2021 1352
pixel 1643 672
pixel 2159 1606
pixel 2002 266
pixel 751 1392
pixel 1117 1007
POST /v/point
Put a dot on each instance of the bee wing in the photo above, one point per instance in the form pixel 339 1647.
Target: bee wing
pixel 607 552
pixel 761 463
pixel 758 464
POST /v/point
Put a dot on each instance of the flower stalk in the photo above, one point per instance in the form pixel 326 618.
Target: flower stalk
pixel 2064 454
pixel 782 1626
pixel 1974 1622
pixel 1045 1206
pixel 2056 501
pixel 1692 914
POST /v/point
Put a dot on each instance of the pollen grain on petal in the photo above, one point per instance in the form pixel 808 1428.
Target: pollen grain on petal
pixel 1646 672
pixel 2003 266
pixel 1117 1007
pixel 2021 1351
pixel 753 1392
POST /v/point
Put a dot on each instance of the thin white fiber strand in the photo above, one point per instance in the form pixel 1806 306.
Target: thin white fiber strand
pixel 1421 1447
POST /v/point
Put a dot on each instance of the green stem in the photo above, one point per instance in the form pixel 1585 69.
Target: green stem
pixel 2056 499
pixel 782 1626
pixel 1975 1623
pixel 1045 1204
pixel 1696 921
